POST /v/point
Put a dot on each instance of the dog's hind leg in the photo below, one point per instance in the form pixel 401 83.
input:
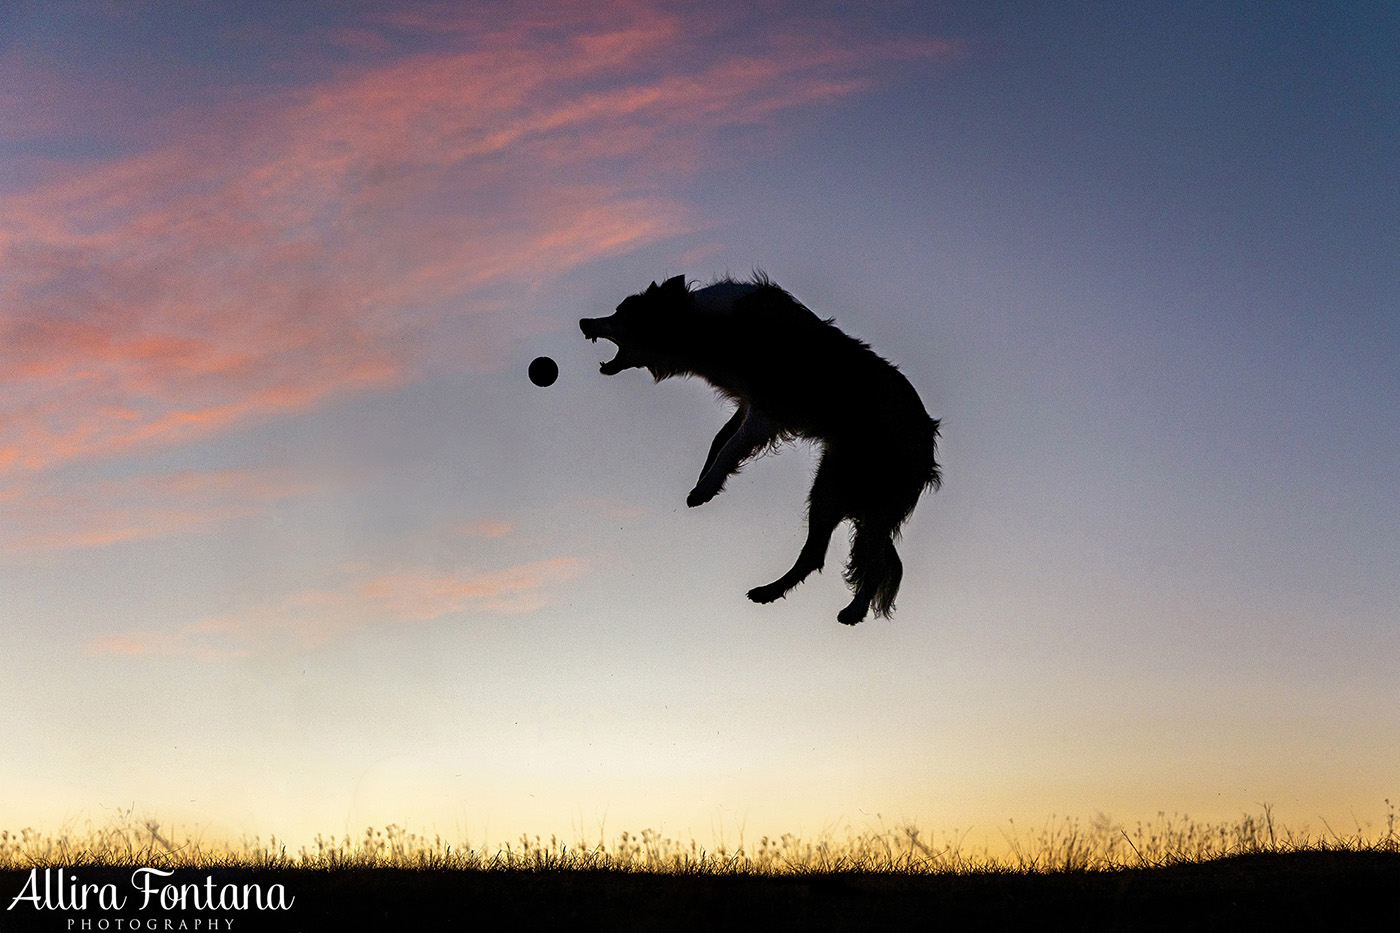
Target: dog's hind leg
pixel 753 432
pixel 825 509
pixel 875 571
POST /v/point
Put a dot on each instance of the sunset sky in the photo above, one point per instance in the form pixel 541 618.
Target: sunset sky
pixel 289 544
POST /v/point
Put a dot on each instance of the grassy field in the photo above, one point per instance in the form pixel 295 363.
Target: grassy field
pixel 1169 874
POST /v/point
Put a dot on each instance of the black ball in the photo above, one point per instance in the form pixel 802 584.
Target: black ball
pixel 543 371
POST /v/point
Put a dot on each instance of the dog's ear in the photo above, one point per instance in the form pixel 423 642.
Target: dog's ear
pixel 651 289
pixel 675 284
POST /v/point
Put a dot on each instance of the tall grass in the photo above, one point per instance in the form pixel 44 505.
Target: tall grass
pixel 1060 844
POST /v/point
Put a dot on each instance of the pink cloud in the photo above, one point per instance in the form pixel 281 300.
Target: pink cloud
pixel 611 509
pixel 418 596
pixel 53 516
pixel 316 617
pixel 485 528
pixel 301 244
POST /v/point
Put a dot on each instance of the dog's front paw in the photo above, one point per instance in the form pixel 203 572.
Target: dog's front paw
pixel 700 495
pixel 767 594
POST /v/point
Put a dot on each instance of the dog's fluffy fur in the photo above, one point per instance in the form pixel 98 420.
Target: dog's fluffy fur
pixel 792 375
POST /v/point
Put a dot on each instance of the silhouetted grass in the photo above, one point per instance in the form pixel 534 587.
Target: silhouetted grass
pixel 1060 844
pixel 1169 873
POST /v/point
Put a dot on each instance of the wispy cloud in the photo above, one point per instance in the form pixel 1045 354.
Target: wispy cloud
pixel 485 528
pixel 315 617
pixel 420 596
pixel 52 516
pixel 299 245
pixel 286 246
pixel 611 509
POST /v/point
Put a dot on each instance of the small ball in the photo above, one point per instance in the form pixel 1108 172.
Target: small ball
pixel 543 371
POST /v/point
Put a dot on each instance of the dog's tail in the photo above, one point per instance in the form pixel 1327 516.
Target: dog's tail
pixel 932 470
pixel 913 467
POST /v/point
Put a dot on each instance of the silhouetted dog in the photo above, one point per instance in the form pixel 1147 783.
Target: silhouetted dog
pixel 792 375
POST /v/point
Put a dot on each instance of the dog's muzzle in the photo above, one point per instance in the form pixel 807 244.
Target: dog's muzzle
pixel 596 327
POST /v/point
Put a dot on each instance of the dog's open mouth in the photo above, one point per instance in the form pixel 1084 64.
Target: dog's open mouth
pixel 594 328
pixel 622 360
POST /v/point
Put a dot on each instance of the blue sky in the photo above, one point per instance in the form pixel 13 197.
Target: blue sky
pixel 291 544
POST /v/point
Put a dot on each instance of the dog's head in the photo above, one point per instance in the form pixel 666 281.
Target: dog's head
pixel 638 325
